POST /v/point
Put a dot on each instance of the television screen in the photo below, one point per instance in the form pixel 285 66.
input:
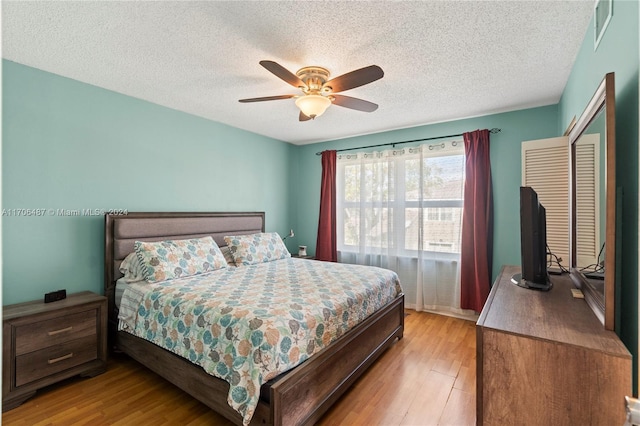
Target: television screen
pixel 533 242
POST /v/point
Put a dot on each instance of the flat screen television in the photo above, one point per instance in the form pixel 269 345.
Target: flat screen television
pixel 533 242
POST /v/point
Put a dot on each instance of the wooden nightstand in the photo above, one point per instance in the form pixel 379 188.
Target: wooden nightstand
pixel 44 343
pixel 302 257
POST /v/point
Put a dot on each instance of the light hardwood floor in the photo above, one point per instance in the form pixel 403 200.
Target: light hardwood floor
pixel 427 378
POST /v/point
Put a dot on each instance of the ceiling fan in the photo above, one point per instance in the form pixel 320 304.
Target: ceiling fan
pixel 319 91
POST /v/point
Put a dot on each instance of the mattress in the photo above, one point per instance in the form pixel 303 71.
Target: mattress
pixel 247 325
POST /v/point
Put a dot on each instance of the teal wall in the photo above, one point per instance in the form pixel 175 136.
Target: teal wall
pixel 517 126
pixel 69 145
pixel 617 52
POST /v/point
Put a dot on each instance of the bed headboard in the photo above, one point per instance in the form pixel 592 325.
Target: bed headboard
pixel 121 232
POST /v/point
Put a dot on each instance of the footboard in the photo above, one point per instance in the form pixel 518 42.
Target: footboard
pixel 304 395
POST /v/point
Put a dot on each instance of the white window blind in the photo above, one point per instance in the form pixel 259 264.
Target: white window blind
pixel 545 168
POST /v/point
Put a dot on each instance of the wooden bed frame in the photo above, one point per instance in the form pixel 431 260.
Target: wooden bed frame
pixel 299 396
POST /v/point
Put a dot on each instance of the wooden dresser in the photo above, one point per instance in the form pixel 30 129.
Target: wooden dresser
pixel 46 342
pixel 543 358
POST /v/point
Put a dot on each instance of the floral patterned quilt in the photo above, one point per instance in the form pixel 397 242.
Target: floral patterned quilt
pixel 248 324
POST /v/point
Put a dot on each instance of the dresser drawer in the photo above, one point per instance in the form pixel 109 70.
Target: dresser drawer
pixel 36 365
pixel 42 334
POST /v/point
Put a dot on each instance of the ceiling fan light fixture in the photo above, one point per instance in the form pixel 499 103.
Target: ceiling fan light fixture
pixel 313 105
pixel 320 91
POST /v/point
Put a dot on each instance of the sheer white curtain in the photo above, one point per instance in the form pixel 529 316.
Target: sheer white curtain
pixel 401 209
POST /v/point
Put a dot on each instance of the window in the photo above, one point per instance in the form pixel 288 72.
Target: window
pixel 403 201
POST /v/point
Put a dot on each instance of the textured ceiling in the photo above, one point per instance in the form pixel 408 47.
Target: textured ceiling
pixel 443 60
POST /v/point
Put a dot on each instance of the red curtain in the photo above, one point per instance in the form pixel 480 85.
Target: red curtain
pixel 477 223
pixel 326 245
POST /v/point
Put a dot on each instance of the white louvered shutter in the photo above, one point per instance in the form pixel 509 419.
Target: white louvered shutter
pixel 545 168
pixel 587 200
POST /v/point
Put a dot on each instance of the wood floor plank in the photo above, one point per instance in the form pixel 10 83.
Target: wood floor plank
pixel 453 415
pixel 427 378
pixel 428 404
pixel 466 380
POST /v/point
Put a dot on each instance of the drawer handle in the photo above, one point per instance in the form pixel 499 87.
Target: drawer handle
pixel 62 358
pixel 62 330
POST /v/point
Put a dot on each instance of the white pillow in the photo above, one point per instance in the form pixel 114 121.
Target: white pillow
pixel 132 269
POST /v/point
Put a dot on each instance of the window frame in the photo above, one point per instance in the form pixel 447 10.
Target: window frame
pixel 398 206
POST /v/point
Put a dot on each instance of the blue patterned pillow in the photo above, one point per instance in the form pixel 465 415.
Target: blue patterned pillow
pixel 166 260
pixel 256 248
pixel 226 251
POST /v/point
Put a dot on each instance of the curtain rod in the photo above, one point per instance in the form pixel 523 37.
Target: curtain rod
pixel 494 130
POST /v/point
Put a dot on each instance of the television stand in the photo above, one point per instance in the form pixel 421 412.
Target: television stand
pixel 544 358
pixel 517 280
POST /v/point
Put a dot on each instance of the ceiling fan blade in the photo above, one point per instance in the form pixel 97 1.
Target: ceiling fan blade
pixel 266 98
pixel 303 117
pixel 354 103
pixel 283 73
pixel 356 78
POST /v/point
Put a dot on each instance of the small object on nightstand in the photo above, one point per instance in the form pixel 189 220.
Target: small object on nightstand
pixel 577 293
pixel 302 251
pixel 54 296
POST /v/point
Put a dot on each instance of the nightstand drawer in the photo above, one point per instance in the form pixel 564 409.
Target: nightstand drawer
pixel 42 334
pixel 36 365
